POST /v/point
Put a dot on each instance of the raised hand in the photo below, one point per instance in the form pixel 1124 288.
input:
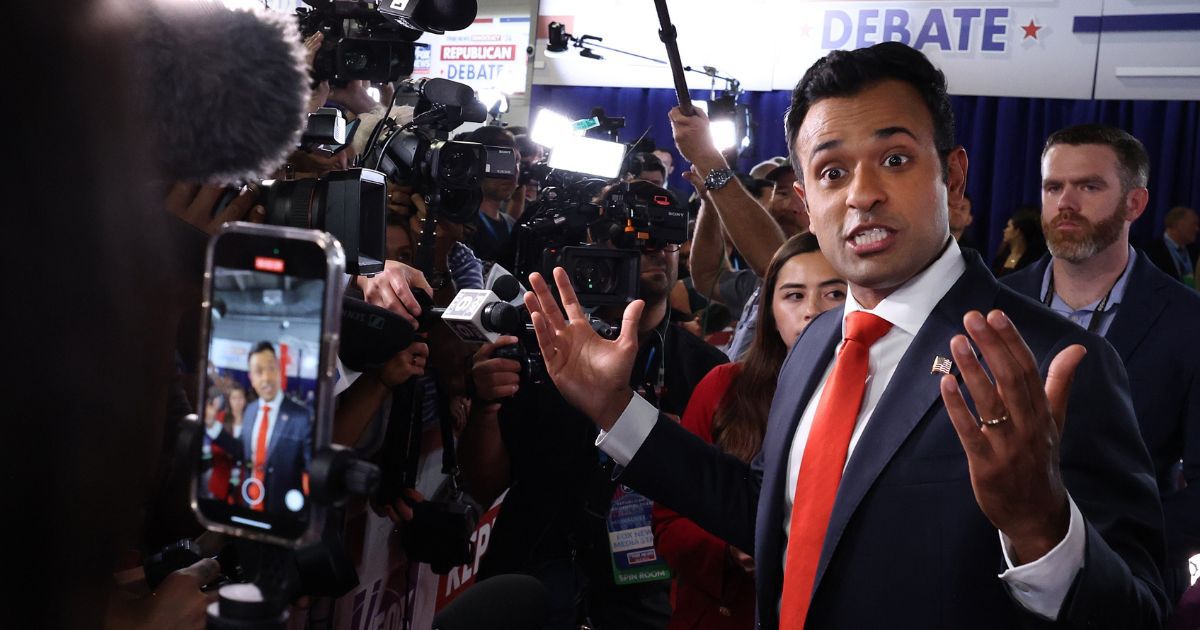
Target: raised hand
pixel 591 372
pixel 1012 438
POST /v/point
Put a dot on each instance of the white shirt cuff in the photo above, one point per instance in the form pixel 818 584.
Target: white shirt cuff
pixel 214 430
pixel 629 431
pixel 1041 586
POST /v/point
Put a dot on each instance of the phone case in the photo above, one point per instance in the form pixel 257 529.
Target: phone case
pixel 335 265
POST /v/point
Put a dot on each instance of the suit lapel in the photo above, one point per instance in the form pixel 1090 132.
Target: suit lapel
pixel 249 426
pixel 1138 309
pixel 908 398
pixel 282 420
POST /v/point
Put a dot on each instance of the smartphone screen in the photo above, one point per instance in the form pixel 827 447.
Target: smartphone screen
pixel 264 380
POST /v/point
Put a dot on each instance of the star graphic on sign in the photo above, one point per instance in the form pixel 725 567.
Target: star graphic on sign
pixel 806 31
pixel 1031 30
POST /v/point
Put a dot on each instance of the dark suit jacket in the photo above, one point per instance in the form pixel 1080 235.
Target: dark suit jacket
pixel 289 452
pixel 1156 250
pixel 1155 332
pixel 907 545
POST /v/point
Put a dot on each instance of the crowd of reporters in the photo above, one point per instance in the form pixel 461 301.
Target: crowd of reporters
pixel 108 358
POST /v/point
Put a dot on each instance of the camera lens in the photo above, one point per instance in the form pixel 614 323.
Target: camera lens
pixel 455 164
pixel 594 275
pixel 355 61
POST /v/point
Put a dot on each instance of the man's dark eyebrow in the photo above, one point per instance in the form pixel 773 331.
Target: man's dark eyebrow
pixel 829 144
pixel 888 132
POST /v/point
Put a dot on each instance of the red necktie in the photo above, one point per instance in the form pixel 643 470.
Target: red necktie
pixel 257 491
pixel 823 462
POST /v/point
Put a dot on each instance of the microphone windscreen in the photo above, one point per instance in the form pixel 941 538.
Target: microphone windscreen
pixel 506 288
pixel 371 335
pixel 474 111
pixel 226 91
pixel 503 602
pixel 448 92
pixel 446 15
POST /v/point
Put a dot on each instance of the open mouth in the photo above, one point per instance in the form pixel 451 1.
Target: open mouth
pixel 871 239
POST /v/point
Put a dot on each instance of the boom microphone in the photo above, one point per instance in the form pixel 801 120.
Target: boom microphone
pixel 503 602
pixel 225 91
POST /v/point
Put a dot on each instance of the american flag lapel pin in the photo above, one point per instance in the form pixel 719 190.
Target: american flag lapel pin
pixel 941 365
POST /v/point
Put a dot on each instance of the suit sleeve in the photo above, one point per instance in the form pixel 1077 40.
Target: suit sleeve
pixel 694 554
pixel 1103 458
pixel 1182 507
pixel 717 491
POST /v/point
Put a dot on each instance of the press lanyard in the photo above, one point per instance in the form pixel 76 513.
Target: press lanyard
pixel 1094 322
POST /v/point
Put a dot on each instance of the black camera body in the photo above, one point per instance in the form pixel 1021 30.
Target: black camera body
pixel 596 232
pixel 448 173
pixel 361 42
pixel 349 204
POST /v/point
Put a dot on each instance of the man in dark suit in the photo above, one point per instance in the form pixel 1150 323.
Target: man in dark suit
pixel 1093 189
pixel 1170 252
pixel 276 439
pixel 893 499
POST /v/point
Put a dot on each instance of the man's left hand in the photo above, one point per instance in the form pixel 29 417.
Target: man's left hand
pixel 1014 463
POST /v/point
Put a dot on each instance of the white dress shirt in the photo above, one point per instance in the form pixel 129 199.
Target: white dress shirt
pixel 1040 586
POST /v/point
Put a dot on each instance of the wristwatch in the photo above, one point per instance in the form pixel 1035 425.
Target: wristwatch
pixel 718 178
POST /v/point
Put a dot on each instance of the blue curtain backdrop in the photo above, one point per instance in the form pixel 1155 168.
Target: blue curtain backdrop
pixel 1003 138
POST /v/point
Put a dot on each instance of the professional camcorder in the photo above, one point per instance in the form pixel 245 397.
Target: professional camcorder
pixel 448 173
pixel 375 41
pixel 597 232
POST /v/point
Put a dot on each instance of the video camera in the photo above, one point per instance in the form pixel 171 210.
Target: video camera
pixel 376 41
pixel 596 232
pixel 448 173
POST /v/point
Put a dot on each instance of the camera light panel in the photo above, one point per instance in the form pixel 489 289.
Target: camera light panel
pixel 588 155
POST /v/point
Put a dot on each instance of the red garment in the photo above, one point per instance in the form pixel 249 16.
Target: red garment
pixel 710 592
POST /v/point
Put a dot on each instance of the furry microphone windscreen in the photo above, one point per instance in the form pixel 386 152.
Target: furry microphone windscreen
pixel 227 90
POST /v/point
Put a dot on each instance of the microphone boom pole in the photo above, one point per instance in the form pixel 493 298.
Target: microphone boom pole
pixel 668 34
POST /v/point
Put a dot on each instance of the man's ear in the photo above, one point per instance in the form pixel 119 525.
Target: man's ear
pixel 1136 201
pixel 956 174
pixel 798 187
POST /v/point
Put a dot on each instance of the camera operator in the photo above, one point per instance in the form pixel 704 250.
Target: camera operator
pixel 527 438
pixel 494 227
pixel 726 207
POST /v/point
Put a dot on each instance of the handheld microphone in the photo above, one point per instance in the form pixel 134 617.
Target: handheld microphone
pixel 503 602
pixel 505 285
pixel 480 316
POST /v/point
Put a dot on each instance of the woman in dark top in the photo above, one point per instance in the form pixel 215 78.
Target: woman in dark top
pixel 1023 242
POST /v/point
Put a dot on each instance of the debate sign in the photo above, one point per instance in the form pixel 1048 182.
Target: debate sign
pixel 1141 49
pixel 488 55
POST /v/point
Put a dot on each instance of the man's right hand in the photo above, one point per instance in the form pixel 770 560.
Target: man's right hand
pixel 393 289
pixel 494 377
pixel 694 140
pixel 177 603
pixel 590 372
